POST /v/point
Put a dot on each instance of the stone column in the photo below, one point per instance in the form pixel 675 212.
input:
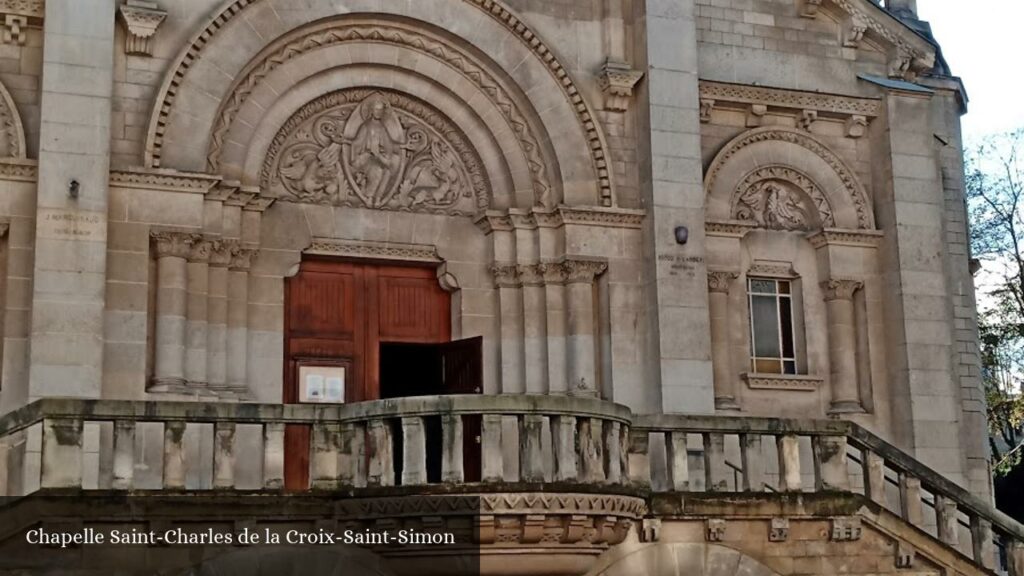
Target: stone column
pixel 510 305
pixel 196 313
pixel 217 314
pixel 172 249
pixel 842 344
pixel 535 343
pixel 238 319
pixel 721 360
pixel 582 336
pixel 557 329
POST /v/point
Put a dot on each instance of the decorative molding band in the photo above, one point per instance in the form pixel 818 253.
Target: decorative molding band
pixel 599 216
pixel 840 288
pixel 772 270
pixel 793 382
pixel 721 93
pixel 141 19
pixel 19 170
pixel 168 180
pixel 508 503
pixel 565 271
pixel 728 228
pixel 18 15
pixel 840 237
pixel 616 81
pixel 374 250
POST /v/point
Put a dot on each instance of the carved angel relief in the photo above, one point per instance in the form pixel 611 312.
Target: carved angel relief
pixel 780 198
pixel 375 149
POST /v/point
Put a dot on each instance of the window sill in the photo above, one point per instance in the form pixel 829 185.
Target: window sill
pixel 794 382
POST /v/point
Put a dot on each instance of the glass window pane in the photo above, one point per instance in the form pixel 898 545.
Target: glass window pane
pixel 762 286
pixel 786 318
pixel 783 286
pixel 764 366
pixel 765 318
pixel 790 367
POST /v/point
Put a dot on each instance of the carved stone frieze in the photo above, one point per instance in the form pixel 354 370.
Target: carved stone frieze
pixel 17 16
pixel 616 81
pixel 807 119
pixel 794 382
pixel 376 250
pixel 772 270
pixel 200 252
pixel 506 275
pixel 376 149
pixel 167 180
pixel 141 19
pixel 840 289
pixel 834 237
pixel 781 198
pixel 382 33
pixel 19 170
pixel 565 271
pixel 722 93
pixel 175 244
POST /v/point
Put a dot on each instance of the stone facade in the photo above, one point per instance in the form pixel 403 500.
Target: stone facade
pixel 595 181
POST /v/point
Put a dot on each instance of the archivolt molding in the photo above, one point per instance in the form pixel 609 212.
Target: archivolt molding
pixel 494 8
pixel 12 144
pixel 769 195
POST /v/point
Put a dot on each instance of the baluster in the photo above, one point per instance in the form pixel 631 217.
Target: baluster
pixel 563 435
pixel 224 455
pixel 531 456
pixel 381 471
pixel 910 499
pixel 639 458
pixel 752 461
pixel 61 453
pixel 981 539
pixel 414 452
pixel 324 456
pixel 624 453
pixel 493 465
pixel 678 464
pixel 591 453
pixel 874 476
pixel 1014 555
pixel 174 455
pixel 789 463
pixel 946 518
pixel 352 455
pixel 612 456
pixel 273 455
pixel 451 451
pixel 716 473
pixel 830 463
pixel 124 455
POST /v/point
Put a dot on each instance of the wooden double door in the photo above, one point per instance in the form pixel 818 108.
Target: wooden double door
pixel 389 326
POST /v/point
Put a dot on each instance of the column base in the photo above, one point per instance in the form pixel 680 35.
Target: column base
pixel 846 407
pixel 176 385
pixel 727 403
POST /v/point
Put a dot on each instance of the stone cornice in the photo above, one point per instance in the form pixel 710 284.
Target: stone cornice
pixel 728 228
pixel 840 237
pixel 19 170
pixel 719 93
pixel 162 179
pixel 495 220
pixel 373 250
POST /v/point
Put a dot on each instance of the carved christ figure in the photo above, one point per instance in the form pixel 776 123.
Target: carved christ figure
pixel 378 151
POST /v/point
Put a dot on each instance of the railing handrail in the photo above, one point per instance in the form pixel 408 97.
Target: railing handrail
pixel 252 413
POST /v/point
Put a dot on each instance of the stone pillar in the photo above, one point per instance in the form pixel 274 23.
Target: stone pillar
pixel 582 333
pixel 842 344
pixel 510 307
pixel 238 319
pixel 719 283
pixel 70 264
pixel 557 328
pixel 197 287
pixel 172 249
pixel 535 344
pixel 217 315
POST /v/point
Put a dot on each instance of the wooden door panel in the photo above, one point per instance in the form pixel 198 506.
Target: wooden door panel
pixel 412 306
pixel 323 305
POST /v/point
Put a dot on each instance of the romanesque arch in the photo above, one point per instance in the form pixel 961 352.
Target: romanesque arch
pixel 212 89
pixel 678 559
pixel 785 179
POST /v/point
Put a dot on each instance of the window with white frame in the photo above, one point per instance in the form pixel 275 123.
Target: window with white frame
pixel 772 342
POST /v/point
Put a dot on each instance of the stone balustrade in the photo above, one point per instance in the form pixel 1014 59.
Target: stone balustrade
pixel 567 443
pixel 741 454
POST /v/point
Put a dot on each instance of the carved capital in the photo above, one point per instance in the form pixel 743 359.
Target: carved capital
pixel 141 20
pixel 720 280
pixel 173 244
pixel 706 106
pixel 617 80
pixel 583 270
pixel 532 274
pixel 856 126
pixel 241 259
pixel 505 275
pixel 200 252
pixel 840 289
pixel 221 251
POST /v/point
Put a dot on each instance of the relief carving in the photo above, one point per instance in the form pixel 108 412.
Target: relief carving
pixel 375 149
pixel 781 198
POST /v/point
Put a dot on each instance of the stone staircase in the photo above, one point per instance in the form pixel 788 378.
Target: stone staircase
pixel 569 484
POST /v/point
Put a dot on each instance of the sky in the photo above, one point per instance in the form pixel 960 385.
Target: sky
pixel 984 44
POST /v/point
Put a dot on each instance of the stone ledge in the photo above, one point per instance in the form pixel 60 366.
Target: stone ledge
pixel 794 382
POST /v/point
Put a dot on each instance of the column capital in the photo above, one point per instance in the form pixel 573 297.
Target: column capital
pixel 840 289
pixel 201 250
pixel 720 280
pixel 583 271
pixel 506 275
pixel 221 251
pixel 241 259
pixel 176 244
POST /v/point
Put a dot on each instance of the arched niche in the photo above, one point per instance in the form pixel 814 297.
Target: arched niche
pixel 678 559
pixel 785 179
pixel 479 51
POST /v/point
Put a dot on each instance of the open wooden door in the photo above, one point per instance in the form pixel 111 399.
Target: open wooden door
pixel 463 369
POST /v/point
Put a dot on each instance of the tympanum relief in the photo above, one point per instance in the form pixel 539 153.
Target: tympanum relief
pixel 375 149
pixel 780 198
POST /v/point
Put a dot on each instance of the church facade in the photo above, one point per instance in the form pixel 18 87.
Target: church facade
pixel 609 243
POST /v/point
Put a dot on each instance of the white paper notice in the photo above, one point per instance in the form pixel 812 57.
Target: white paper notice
pixel 314 387
pixel 335 391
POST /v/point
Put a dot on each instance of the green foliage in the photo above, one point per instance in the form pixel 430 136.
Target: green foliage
pixel 995 198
